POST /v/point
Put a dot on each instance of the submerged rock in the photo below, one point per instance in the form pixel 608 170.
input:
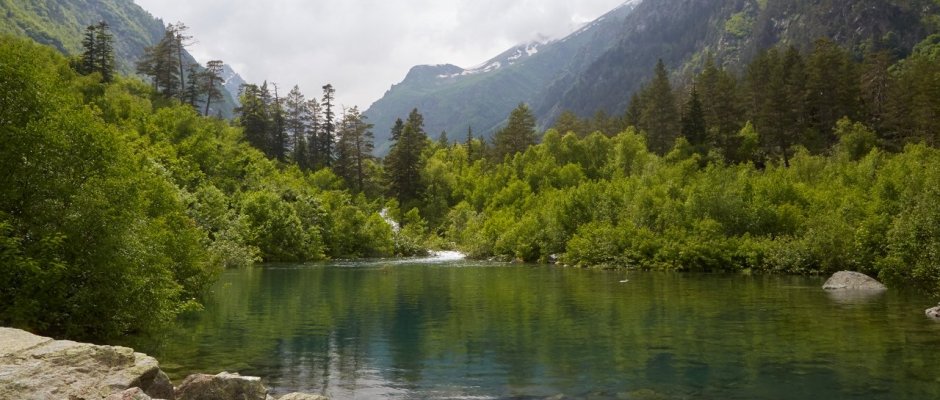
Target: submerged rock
pixel 36 367
pixel 302 396
pixel 223 386
pixel 850 280
pixel 934 312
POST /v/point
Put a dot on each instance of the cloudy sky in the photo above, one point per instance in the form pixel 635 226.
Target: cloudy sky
pixel 363 47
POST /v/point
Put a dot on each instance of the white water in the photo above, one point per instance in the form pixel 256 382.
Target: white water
pixel 437 256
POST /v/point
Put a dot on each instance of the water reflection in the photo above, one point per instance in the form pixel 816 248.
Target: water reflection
pixel 855 297
pixel 417 330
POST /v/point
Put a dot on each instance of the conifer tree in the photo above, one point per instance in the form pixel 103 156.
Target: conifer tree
pixel 693 122
pixel 279 140
pixel 518 134
pixel 180 41
pixel 328 128
pixel 442 139
pixel 98 54
pixel 313 134
pixel 211 79
pixel 659 117
pixel 832 91
pixel 568 121
pixel 355 142
pixel 193 89
pixel 397 129
pixel 161 64
pixel 722 108
pixel 469 143
pixel 297 124
pixel 89 59
pixel 403 163
pixel 253 117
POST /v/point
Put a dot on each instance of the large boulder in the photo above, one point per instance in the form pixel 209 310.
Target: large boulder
pixel 34 367
pixel 224 386
pixel 850 280
pixel 130 394
pixel 934 312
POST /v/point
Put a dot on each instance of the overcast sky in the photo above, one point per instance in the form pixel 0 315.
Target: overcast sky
pixel 363 47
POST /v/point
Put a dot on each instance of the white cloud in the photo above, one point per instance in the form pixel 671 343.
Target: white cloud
pixel 363 47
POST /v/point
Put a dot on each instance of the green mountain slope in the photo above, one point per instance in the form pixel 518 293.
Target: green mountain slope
pixel 682 32
pixel 61 24
pixel 602 65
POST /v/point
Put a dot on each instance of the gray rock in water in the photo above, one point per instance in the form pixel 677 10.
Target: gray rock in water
pixel 224 386
pixel 302 396
pixel 849 280
pixel 934 312
pixel 36 367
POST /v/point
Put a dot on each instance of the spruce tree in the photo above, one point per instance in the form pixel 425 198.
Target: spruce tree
pixel 832 91
pixel 404 162
pixel 105 52
pixel 313 135
pixel 297 124
pixel 281 146
pixel 355 142
pixel 253 117
pixel 328 127
pixel 658 115
pixel 88 62
pixel 442 139
pixel 193 89
pixel 518 134
pixel 568 121
pixel 722 109
pixel 98 53
pixel 397 129
pixel 693 123
pixel 469 143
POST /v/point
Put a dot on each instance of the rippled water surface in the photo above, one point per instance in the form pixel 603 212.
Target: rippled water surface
pixel 456 329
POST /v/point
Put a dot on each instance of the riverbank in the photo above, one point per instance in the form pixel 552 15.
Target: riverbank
pixel 34 366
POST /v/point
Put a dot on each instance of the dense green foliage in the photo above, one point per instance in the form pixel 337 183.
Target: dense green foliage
pixel 115 214
pixel 63 24
pixel 801 189
pixel 608 201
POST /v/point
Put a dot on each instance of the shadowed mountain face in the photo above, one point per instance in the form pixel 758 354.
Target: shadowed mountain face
pixel 61 24
pixel 600 66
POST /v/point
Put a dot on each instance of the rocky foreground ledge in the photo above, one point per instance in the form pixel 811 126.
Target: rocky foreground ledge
pixel 36 367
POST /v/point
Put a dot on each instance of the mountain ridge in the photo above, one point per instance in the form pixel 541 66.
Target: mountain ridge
pixel 454 99
pixel 599 67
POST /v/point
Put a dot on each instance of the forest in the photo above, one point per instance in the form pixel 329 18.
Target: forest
pixel 122 201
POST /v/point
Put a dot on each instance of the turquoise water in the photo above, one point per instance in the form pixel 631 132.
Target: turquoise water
pixel 470 330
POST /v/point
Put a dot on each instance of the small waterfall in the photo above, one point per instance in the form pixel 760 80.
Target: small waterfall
pixel 391 222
